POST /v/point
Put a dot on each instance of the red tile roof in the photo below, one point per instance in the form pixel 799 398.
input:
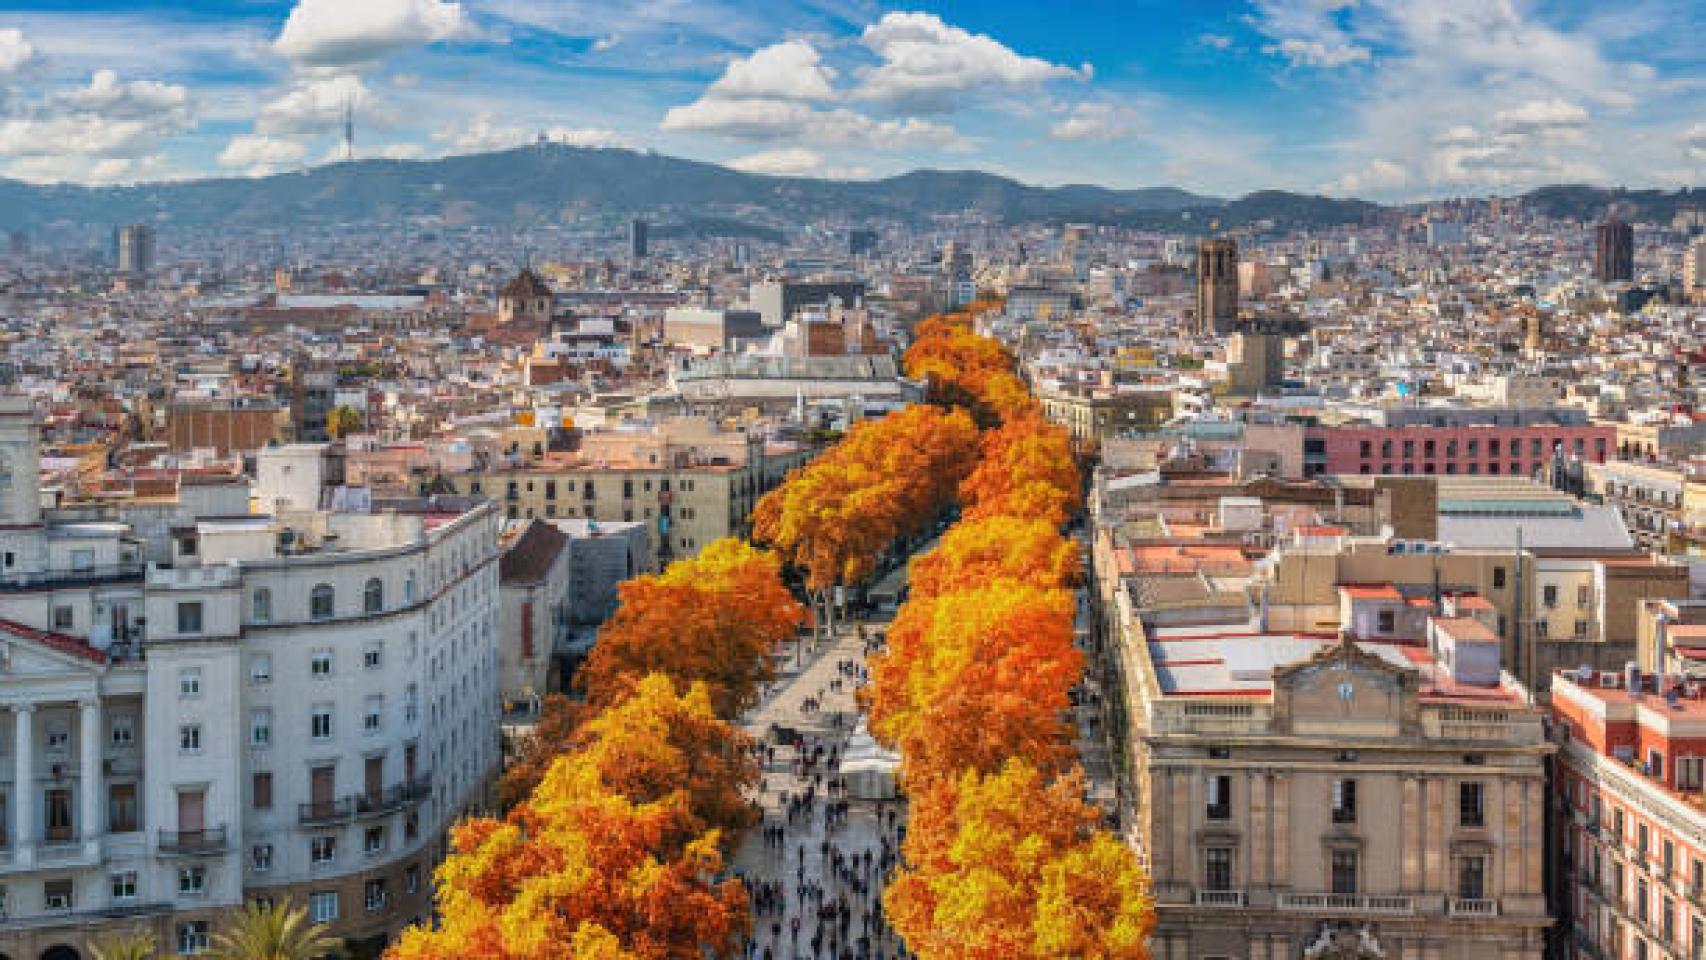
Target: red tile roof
pixel 64 643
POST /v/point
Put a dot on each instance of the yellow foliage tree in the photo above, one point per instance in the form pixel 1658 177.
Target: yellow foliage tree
pixel 979 552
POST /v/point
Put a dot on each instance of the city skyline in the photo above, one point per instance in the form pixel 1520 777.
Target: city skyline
pixel 1380 100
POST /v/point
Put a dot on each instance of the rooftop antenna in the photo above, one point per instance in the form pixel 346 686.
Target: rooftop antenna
pixel 349 128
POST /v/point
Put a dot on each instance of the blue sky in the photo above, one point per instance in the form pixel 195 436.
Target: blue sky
pixel 1388 99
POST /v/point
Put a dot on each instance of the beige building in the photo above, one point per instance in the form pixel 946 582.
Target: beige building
pixel 1099 414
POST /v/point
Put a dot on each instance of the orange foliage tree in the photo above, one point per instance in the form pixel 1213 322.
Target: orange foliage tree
pixel 717 618
pixel 608 857
pixel 1025 470
pixel 1008 865
pixel 559 718
pixel 973 677
pixel 962 368
pixel 983 551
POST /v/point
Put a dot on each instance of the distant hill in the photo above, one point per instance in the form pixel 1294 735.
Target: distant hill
pixel 559 184
pixel 1576 201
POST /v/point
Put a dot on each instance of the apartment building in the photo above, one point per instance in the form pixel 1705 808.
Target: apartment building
pixel 287 706
pixel 688 482
pixel 1630 841
pixel 1650 497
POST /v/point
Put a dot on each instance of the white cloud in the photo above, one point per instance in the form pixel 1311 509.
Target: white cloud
pixel 1378 178
pixel 1215 41
pixel 260 155
pixel 348 33
pixel 484 134
pixel 791 120
pixel 1694 143
pixel 93 170
pixel 1542 116
pixel 15 51
pixel 402 151
pixel 107 131
pixel 926 62
pixel 792 70
pixel 1318 53
pixel 785 162
pixel 108 96
pixel 315 105
pixel 1096 121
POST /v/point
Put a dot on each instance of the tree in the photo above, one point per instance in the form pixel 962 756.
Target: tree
pixel 580 870
pixel 342 421
pixel 973 678
pixel 129 946
pixel 1025 470
pixel 718 618
pixel 272 932
pixel 978 552
pixel 1009 865
pixel 559 718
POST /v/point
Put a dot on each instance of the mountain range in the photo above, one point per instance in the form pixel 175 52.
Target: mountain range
pixel 555 183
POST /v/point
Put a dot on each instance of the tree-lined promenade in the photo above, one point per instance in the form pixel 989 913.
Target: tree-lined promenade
pixel 624 806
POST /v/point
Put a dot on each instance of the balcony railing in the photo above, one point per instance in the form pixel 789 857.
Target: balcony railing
pixel 1220 898
pixel 1354 903
pixel 1472 907
pixel 319 812
pixel 192 843
pixel 84 576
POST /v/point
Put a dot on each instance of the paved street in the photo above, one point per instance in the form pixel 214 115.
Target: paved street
pixel 817 885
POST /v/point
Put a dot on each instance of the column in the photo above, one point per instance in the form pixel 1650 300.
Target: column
pixel 1414 845
pixel 92 785
pixel 24 783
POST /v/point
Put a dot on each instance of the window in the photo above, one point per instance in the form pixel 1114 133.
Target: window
pixel 57 895
pixel 409 588
pixel 1219 797
pixel 320 602
pixel 189 617
pixel 1217 868
pixel 322 850
pixel 192 881
pixel 123 729
pixel 64 618
pixel 1388 621
pixel 82 560
pixel 1344 801
pixel 1584 595
pixel 124 885
pixel 189 682
pixel 1667 856
pixel 320 663
pixel 189 738
pixel 374 896
pixel 1549 595
pixel 1470 806
pixel 121 808
pixel 1498 578
pixel 192 937
pixel 260 605
pixel 1688 773
pixel 261 790
pixel 1471 878
pixel 320 722
pixel 373 710
pixel 373 596
pixel 373 841
pixel 1344 871
pixel 260 728
pixel 373 656
pixel 260 669
pixel 323 906
pixel 412 878
pixel 260 857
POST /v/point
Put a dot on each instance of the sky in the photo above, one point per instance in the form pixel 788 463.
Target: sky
pixel 1382 99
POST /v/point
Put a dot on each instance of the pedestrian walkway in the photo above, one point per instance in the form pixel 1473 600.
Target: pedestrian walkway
pixel 818 863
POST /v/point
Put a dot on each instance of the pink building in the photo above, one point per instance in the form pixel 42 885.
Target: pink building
pixel 1483 450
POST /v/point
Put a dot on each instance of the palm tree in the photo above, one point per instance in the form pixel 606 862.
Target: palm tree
pixel 272 932
pixel 124 946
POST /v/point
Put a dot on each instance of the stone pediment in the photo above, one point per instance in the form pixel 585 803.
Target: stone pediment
pixel 1345 691
pixel 27 653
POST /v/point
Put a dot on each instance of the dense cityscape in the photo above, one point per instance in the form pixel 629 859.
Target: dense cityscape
pixel 562 550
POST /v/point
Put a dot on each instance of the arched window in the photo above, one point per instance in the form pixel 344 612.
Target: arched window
pixel 260 605
pixel 320 602
pixel 373 596
pixel 409 588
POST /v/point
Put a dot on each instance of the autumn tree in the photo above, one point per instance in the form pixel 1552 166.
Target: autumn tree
pixel 607 858
pixel 717 618
pixel 979 552
pixel 342 421
pixel 559 718
pixel 1008 865
pixel 974 677
pixel 1025 469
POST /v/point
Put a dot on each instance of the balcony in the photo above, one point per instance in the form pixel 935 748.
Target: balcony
pixel 418 789
pixel 1472 907
pixel 82 577
pixel 1224 899
pixel 323 812
pixel 380 802
pixel 1347 903
pixel 192 843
